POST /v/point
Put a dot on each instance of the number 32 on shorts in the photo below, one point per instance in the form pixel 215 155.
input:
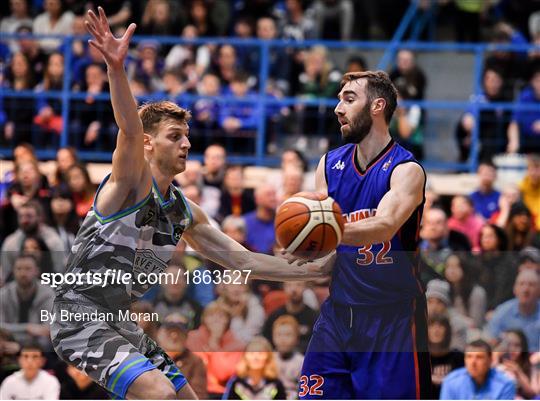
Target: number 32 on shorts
pixel 366 256
pixel 310 385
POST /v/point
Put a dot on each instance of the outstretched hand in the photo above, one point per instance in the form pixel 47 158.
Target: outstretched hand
pixel 114 50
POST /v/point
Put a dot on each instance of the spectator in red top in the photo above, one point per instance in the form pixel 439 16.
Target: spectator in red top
pixel 464 220
pixel 82 189
pixel 235 199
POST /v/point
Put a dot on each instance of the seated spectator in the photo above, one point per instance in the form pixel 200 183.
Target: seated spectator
pixel 524 130
pixel 465 220
pixel 92 56
pixel 225 66
pixel 509 195
pixel 29 184
pixel 148 66
pixel 247 313
pixel 180 54
pixel 285 335
pixel 511 64
pixel 173 87
pixel 521 312
pixel 172 298
pixel 200 17
pixel 36 246
pixel 21 303
pixel 235 199
pixel 30 218
pixel 320 78
pixel 467 298
pixel 438 303
pixel 512 357
pixel 520 228
pixel 295 23
pixel 19 111
pixel 30 48
pixel 260 222
pixel 437 242
pixel 160 19
pixel 408 75
pixel 215 158
pixel 239 118
pixel 295 307
pixel 216 344
pixel 172 336
pixel 31 382
pixel 530 187
pixel 64 219
pixel 206 112
pixel 79 386
pixel 493 124
pixel 496 268
pixel 55 20
pixel 93 119
pixel 333 19
pixel 200 197
pixel 20 15
pixel 486 199
pixel 292 183
pixel 443 358
pixel 49 118
pixel 235 227
pixel 529 259
pixel 407 125
pixel 82 189
pixel 256 374
pixel 477 380
pixel 65 158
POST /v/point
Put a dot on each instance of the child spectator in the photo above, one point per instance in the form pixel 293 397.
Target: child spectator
pixel 285 335
pixel 31 382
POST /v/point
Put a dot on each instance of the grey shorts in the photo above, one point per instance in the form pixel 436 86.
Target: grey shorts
pixel 112 352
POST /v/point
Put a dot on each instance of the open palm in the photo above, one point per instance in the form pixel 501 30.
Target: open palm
pixel 114 50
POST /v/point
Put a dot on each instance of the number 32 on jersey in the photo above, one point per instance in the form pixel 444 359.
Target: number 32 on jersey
pixel 366 256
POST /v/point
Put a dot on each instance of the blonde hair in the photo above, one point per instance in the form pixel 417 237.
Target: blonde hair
pixel 152 114
pixel 259 344
pixel 214 307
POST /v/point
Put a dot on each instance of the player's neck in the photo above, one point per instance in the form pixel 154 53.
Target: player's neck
pixel 370 147
pixel 163 181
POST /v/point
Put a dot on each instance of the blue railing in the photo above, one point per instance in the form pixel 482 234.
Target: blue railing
pixel 66 95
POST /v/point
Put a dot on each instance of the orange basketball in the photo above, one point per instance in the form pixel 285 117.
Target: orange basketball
pixel 309 225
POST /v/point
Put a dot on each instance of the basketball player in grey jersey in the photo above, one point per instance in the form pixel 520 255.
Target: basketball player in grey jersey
pixel 137 219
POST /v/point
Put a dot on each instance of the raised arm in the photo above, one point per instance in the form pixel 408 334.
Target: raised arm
pixel 221 249
pixel 397 205
pixel 128 159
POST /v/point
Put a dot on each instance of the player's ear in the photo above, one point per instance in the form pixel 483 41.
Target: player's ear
pixel 378 105
pixel 147 140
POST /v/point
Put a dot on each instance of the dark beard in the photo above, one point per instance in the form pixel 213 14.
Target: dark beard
pixel 31 230
pixel 359 127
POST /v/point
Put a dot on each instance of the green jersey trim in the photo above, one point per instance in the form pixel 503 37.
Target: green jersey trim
pixel 163 203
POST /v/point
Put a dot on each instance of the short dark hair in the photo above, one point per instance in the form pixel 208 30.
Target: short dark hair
pixel 34 204
pixel 487 162
pixel 26 255
pixel 152 114
pixel 479 344
pixel 378 85
pixel 445 322
pixel 31 346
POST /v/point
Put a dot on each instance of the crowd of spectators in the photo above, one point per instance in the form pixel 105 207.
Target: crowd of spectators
pixel 157 70
pixel 479 263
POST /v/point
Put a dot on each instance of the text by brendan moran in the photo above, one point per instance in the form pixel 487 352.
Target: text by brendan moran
pixel 96 316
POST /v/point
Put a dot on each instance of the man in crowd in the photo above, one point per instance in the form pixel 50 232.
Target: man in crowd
pixel 486 198
pixel 521 312
pixel 260 222
pixel 477 380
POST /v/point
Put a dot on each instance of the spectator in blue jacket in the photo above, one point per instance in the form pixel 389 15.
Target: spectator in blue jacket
pixel 477 380
pixel 524 130
pixel 486 198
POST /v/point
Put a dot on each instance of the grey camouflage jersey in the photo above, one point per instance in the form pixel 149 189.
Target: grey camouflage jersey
pixel 137 240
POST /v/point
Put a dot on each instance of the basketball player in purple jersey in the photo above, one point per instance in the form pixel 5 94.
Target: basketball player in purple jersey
pixel 370 340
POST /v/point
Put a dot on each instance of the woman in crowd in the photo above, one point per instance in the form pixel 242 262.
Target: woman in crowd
pixel 443 359
pixel 496 269
pixel 256 374
pixel 512 357
pixel 35 246
pixel 65 158
pixel 520 228
pixel 82 189
pixel 64 218
pixel 216 344
pixel 467 298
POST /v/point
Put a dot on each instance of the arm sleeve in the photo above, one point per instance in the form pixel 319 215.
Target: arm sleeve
pixel 508 392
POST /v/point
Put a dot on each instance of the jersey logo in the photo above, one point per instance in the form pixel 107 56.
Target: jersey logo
pixel 339 165
pixel 387 164
pixel 177 232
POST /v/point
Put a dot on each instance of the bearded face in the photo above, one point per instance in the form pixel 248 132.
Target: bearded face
pixel 359 127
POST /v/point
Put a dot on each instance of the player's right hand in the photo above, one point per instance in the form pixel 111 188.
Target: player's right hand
pixel 114 50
